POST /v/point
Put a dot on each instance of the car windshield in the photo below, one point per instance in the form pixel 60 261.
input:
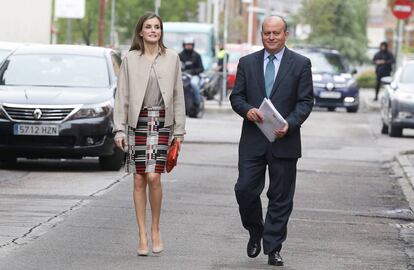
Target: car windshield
pixel 55 70
pixel 174 40
pixel 3 54
pixel 407 74
pixel 326 62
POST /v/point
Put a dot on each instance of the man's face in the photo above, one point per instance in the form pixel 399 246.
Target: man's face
pixel 274 35
pixel 188 46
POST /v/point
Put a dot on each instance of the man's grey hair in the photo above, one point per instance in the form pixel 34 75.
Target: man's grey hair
pixel 276 16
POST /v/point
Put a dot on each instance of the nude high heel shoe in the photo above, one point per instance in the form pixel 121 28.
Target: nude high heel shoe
pixel 159 248
pixel 143 252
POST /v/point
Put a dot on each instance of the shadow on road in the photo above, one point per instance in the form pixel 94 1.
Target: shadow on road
pixel 53 165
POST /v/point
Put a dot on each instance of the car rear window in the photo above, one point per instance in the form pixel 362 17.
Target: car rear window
pixel 55 70
pixel 325 62
pixel 407 74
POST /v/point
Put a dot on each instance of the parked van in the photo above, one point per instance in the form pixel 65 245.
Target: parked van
pixel 203 34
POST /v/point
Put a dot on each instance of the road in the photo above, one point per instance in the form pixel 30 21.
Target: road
pixel 348 212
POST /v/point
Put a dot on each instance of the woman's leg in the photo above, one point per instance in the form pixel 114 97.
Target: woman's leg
pixel 155 198
pixel 140 201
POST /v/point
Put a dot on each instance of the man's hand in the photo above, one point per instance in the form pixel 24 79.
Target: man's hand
pixel 254 115
pixel 120 142
pixel 280 133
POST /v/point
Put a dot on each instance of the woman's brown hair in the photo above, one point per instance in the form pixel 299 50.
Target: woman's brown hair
pixel 138 41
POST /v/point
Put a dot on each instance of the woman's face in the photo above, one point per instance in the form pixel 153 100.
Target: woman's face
pixel 151 31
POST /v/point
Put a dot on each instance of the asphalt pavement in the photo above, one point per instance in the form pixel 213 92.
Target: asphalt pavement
pixel 349 211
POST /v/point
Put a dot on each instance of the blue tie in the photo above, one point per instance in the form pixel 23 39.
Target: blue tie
pixel 269 75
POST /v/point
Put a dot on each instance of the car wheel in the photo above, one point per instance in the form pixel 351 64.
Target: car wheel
pixel 113 162
pixel 331 109
pixel 384 129
pixel 394 131
pixel 209 95
pixel 353 109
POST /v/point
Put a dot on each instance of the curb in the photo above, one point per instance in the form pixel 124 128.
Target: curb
pixel 407 184
pixel 212 106
pixel 367 99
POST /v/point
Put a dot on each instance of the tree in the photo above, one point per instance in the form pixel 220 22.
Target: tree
pixel 85 30
pixel 338 24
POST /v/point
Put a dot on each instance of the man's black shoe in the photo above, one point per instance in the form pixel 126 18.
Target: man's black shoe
pixel 253 247
pixel 275 259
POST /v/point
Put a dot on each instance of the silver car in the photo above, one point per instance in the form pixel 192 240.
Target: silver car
pixel 397 101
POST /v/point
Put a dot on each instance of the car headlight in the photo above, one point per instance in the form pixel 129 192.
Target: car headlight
pixel 92 111
pixel 405 115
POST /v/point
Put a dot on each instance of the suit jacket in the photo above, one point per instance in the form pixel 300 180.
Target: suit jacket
pixel 292 95
pixel 132 83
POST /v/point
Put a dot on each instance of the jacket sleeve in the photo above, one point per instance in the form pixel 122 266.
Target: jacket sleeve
pixel 305 99
pixel 199 68
pixel 178 101
pixel 238 97
pixel 121 99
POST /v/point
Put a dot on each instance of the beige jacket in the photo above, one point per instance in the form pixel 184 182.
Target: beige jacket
pixel 132 83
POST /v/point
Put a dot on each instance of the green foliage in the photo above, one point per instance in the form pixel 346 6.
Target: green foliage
pixel 179 10
pixel 127 13
pixel 338 24
pixel 366 79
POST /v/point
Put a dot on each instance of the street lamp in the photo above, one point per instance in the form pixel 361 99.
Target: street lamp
pixel 157 4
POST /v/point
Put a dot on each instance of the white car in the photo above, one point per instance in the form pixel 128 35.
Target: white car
pixel 7 48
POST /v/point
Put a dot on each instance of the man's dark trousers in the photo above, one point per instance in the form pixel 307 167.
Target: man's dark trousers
pixel 249 186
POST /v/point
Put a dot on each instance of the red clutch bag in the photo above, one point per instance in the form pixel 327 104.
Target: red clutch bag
pixel 172 155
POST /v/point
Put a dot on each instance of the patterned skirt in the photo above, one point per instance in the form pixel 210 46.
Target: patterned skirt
pixel 148 142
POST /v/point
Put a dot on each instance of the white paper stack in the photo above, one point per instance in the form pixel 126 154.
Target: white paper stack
pixel 272 120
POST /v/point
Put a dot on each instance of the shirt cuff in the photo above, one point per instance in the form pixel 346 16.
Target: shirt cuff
pixel 119 134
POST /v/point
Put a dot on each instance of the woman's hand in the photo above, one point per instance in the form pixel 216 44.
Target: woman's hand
pixel 120 142
pixel 180 141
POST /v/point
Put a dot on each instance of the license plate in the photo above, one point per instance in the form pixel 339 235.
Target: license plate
pixel 39 130
pixel 328 94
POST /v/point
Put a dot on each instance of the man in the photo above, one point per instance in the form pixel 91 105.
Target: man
pixel 285 78
pixel 221 54
pixel 193 65
pixel 383 60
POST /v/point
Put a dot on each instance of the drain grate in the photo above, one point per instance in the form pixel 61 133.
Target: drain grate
pixel 405 226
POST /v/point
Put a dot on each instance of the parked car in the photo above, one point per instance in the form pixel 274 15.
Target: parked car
pixel 7 48
pixel 333 80
pixel 397 101
pixel 56 101
pixel 235 51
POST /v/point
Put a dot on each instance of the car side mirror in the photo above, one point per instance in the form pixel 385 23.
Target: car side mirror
pixel 386 80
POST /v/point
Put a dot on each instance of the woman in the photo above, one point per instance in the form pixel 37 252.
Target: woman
pixel 149 109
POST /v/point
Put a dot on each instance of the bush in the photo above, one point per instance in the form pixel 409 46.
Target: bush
pixel 366 79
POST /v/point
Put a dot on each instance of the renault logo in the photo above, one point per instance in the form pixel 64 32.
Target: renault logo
pixel 37 114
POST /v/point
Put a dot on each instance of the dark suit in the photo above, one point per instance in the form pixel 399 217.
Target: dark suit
pixel 292 95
